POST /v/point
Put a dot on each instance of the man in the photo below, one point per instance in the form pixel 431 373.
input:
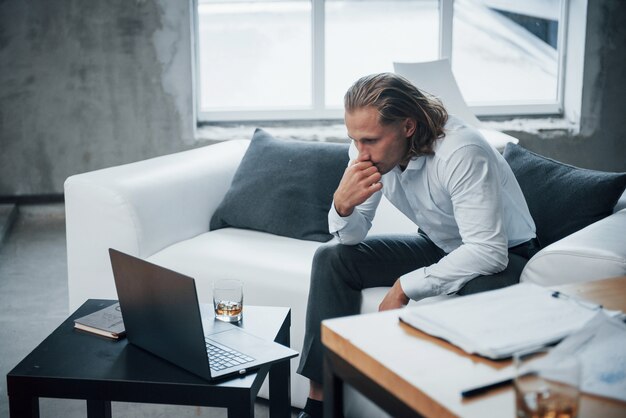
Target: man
pixel 442 175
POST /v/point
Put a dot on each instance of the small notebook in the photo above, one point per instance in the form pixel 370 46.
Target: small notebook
pixel 498 323
pixel 106 322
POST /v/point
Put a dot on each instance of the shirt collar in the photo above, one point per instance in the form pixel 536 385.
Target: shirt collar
pixel 416 163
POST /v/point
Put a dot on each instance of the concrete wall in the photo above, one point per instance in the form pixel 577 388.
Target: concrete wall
pixel 601 144
pixel 91 84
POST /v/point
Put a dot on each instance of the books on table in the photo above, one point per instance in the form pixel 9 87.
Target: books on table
pixel 106 322
pixel 498 323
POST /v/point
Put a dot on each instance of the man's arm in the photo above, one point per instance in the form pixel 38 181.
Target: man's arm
pixel 473 183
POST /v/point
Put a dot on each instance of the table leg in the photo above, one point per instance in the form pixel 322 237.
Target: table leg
pixel 241 410
pixel 280 390
pixel 98 409
pixel 333 390
pixel 337 371
pixel 23 406
pixel 280 377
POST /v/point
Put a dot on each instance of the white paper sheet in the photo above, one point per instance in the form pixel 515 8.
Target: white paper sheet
pixel 498 323
pixel 601 347
pixel 436 78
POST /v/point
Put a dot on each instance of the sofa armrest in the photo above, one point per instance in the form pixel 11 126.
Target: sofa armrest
pixel 141 208
pixel 595 252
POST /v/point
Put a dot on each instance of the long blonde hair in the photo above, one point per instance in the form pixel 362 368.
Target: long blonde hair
pixel 397 99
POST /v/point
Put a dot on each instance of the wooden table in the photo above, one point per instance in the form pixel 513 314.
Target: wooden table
pixel 411 374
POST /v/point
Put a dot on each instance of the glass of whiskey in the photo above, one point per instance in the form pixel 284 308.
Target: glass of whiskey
pixel 546 386
pixel 228 300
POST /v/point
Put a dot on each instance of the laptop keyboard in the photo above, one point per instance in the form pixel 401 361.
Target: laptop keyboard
pixel 222 357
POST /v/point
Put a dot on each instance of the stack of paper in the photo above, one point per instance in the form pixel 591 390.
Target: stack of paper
pixel 498 323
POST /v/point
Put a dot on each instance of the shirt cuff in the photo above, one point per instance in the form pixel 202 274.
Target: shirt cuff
pixel 416 285
pixel 336 222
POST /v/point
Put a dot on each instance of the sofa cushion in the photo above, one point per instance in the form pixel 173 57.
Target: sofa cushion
pixel 562 199
pixel 595 252
pixel 284 188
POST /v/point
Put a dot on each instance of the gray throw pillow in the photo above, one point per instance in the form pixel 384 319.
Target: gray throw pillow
pixel 562 198
pixel 284 188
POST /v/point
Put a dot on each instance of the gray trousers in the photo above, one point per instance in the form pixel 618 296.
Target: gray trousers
pixel 340 272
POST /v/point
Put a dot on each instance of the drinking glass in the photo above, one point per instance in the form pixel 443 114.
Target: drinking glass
pixel 546 385
pixel 228 300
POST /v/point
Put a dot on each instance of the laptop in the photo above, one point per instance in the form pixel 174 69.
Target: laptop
pixel 162 315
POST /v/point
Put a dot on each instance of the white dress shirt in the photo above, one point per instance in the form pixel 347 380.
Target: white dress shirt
pixel 465 197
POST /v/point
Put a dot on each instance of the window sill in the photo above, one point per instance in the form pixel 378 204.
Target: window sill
pixel 323 131
pixel 544 127
pixel 335 131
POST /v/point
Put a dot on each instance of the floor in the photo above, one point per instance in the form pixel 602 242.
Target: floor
pixel 34 301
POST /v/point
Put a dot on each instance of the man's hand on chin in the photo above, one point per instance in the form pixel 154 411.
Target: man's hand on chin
pixel 394 299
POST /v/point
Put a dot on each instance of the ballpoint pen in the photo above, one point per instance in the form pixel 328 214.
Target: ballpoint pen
pixel 467 393
pixel 583 303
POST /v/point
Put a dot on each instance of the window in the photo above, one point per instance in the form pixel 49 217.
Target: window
pixel 505 54
pixel 294 59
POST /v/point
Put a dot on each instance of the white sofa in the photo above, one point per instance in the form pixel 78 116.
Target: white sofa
pixel 159 209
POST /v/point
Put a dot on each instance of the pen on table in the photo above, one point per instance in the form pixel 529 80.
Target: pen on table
pixel 583 303
pixel 467 393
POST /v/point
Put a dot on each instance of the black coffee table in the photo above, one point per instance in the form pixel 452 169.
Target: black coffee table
pixel 74 364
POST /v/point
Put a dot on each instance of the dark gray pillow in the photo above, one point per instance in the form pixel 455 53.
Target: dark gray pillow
pixel 284 188
pixel 562 198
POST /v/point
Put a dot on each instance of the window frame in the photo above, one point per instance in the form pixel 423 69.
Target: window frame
pixel 568 82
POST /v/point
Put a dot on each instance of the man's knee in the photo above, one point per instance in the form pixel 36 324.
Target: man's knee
pixel 334 261
pixel 335 256
pixel 324 254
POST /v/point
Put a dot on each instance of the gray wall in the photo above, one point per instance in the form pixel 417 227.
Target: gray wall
pixel 601 144
pixel 91 84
